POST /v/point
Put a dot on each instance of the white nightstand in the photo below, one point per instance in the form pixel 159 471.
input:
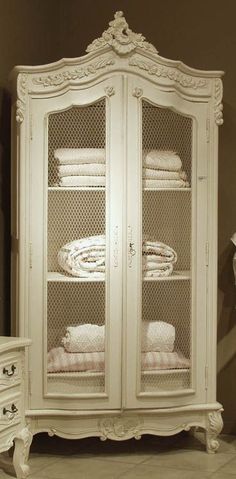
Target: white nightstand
pixel 13 428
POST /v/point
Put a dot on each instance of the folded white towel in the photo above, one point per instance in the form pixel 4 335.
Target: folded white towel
pixel 82 181
pixel 163 160
pixel 157 336
pixel 84 257
pixel 165 183
pixel 74 156
pixel 150 173
pixel 164 269
pixel 85 169
pixel 85 338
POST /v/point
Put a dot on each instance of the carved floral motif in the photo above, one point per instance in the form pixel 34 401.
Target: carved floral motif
pixel 173 74
pixel 214 428
pixel 137 92
pixel 120 428
pixel 21 92
pixel 110 90
pixel 72 75
pixel 218 105
pixel 120 38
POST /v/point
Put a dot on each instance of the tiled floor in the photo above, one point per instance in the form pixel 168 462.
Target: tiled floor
pixel 176 457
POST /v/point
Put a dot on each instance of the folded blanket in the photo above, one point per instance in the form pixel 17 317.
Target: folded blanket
pixel 162 160
pixel 85 169
pixel 164 269
pixel 158 252
pixel 147 183
pixel 61 361
pixel 157 336
pixel 82 181
pixel 85 338
pixel 74 156
pixel 84 257
pixel 150 173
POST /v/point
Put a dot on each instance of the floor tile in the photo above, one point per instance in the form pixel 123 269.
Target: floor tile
pixel 151 472
pixel 222 475
pixel 74 468
pixel 191 460
pixel 230 467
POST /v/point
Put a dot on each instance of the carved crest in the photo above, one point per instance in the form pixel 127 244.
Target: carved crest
pixel 121 38
pixel 120 428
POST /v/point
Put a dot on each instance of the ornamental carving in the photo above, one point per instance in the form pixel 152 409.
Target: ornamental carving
pixel 138 92
pixel 214 428
pixel 120 428
pixel 21 93
pixel 110 90
pixel 171 73
pixel 120 38
pixel 59 79
pixel 218 108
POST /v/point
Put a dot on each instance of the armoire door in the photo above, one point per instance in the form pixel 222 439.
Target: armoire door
pixel 75 247
pixel 166 248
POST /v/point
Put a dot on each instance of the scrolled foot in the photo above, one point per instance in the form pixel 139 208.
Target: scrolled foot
pixel 21 453
pixel 214 427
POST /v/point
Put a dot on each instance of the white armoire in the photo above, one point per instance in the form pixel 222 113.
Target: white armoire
pixel 124 100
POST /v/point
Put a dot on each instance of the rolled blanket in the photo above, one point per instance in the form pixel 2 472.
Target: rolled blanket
pixel 163 269
pixel 84 169
pixel 163 160
pixel 61 361
pixel 158 252
pixel 85 338
pixel 151 174
pixel 84 257
pixel 82 181
pixel 74 156
pixel 157 336
pixel 147 183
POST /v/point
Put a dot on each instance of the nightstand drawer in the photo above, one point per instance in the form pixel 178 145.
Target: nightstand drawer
pixel 10 369
pixel 10 410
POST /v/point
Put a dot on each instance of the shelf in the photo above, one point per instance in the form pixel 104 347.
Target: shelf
pixel 175 276
pixel 79 374
pixel 63 278
pixel 167 189
pixel 77 188
pixel 164 372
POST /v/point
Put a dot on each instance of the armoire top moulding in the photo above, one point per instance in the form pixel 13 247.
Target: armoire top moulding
pixel 118 49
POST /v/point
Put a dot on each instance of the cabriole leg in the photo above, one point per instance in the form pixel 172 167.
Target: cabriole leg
pixel 213 429
pixel 21 453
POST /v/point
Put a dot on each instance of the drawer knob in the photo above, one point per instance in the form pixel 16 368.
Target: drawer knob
pixel 9 372
pixel 13 410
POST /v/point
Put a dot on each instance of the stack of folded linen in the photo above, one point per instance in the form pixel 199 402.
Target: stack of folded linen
pixel 163 169
pixel 158 259
pixel 84 346
pixel 157 336
pixel 85 258
pixel 81 166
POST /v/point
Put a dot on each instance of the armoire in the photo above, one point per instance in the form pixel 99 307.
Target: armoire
pixel 148 130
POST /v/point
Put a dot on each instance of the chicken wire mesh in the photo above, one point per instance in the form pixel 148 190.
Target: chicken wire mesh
pixel 164 129
pixel 77 127
pixel 166 218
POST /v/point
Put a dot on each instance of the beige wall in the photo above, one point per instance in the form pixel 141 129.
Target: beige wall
pixel 203 35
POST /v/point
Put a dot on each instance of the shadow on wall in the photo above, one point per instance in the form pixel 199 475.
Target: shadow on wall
pixel 5 195
pixel 226 350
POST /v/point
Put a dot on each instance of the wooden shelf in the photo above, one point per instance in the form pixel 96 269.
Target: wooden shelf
pixel 167 189
pixel 63 278
pixel 175 276
pixel 77 188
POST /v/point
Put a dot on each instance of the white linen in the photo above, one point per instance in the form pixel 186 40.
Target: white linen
pixel 84 257
pixel 150 173
pixel 85 169
pixel 82 181
pixel 76 156
pixel 61 361
pixel 162 160
pixel 158 252
pixel 85 338
pixel 157 336
pixel 153 183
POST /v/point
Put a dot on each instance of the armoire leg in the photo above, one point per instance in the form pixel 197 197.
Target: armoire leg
pixel 213 429
pixel 21 453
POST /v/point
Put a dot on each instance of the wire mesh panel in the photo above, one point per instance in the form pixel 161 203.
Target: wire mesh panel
pixel 165 329
pixel 76 252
